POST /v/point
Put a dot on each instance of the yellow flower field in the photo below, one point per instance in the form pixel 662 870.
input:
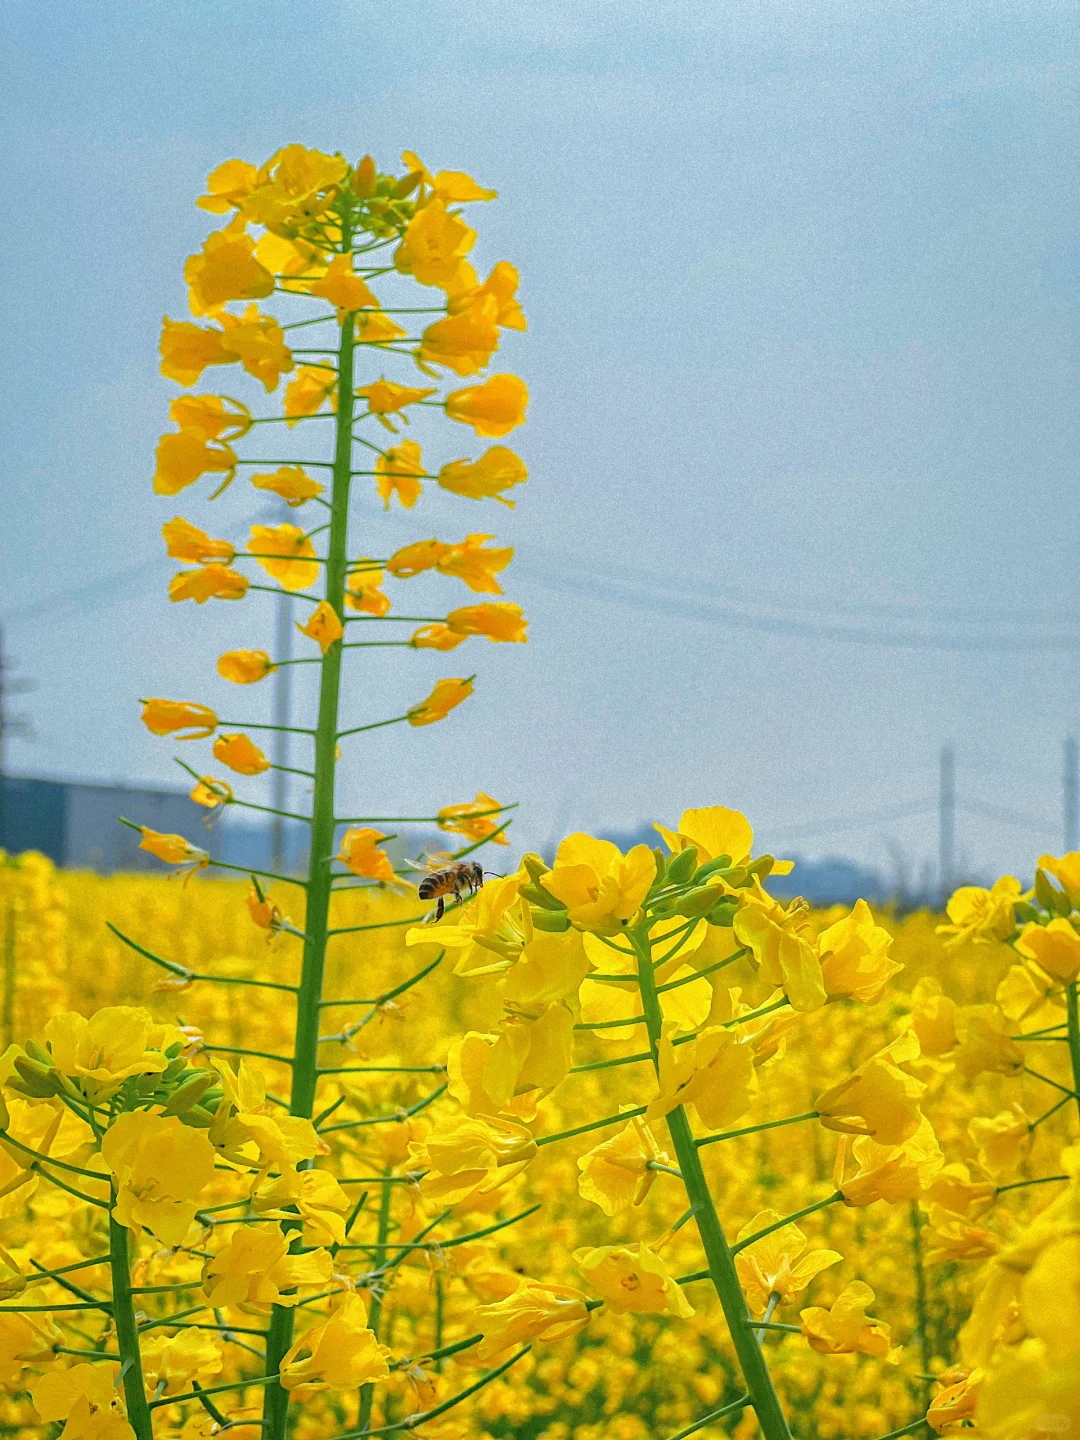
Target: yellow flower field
pixel 624 1374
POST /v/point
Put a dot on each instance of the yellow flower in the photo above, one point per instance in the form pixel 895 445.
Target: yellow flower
pixel 955 1402
pixel 982 915
pixel 1001 1142
pixel 324 627
pixel 845 1328
pixel 889 1172
pixel 264 913
pixel 187 542
pixel 878 1098
pixel 104 1050
pixel 297 568
pixel 775 1264
pixel 532 1050
pixel 476 819
pixel 168 717
pixel 434 245
pixel 375 327
pixel 984 1042
pixel 182 458
pixel 465 340
pixel 494 408
pixel 256 340
pixel 421 555
pixel 343 289
pixel 291 484
pixel 360 854
pixel 1065 870
pixel 226 270
pixel 385 397
pixel 318 1197
pixel 211 793
pixel 245 1116
pixel 450 186
pixel 490 938
pixel 616 1174
pixel 87 1398
pixel 211 582
pixel 240 754
pixel 1055 947
pixel 160 1167
pixel 228 186
pixel 497 470
pixel 854 955
pixel 632 1279
pixel 245 667
pixel 950 1237
pixel 341 1353
pixel 25 1340
pixel 497 620
pixel 173 849
pixel 713 831
pixel 296 184
pixel 464 291
pixel 601 888
pixel 446 695
pixel 180 1359
pixel 255 1271
pixel 714 1072
pixel 470 562
pixel 933 1018
pixel 532 1311
pixel 398 472
pixel 953 1189
pixel 362 589
pixel 309 391
pixel 469 1155
pixel 214 417
pixel 187 350
pixel 783 945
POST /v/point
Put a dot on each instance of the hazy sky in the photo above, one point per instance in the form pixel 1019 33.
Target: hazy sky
pixel 803 284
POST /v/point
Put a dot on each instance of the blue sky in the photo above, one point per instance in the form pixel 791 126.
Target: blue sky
pixel 803 285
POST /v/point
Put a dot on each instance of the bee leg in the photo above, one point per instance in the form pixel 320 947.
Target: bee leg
pixel 440 909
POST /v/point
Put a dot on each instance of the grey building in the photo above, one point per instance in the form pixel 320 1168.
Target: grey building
pixel 77 826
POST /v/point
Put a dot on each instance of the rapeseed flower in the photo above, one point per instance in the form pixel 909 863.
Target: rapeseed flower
pixel 245 667
pixel 497 470
pixel 341 1353
pixel 171 717
pixel 240 754
pixel 494 408
pixel 291 483
pixel 324 626
pixel 160 1167
pixel 532 1311
pixel 446 696
pixel 633 1279
pixel 211 582
pixel 286 554
pixel 776 1264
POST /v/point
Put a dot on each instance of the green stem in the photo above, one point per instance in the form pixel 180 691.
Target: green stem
pixel 922 1312
pixel 1073 1013
pixel 721 1265
pixel 305 1069
pixel 367 1392
pixel 127 1336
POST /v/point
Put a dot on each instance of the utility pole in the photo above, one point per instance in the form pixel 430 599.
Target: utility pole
pixel 9 725
pixel 1070 798
pixel 282 651
pixel 947 822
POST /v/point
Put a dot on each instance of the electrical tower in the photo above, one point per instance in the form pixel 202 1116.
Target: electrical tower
pixel 947 822
pixel 10 725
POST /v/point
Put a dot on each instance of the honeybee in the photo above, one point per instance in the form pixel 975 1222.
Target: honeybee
pixel 453 879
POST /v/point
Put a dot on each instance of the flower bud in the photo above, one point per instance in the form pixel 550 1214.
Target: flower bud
pixel 537 895
pixel 724 913
pixel 535 866
pixel 38 1081
pixel 1044 891
pixel 681 866
pixel 554 920
pixel 711 867
pixel 696 902
pixel 189 1094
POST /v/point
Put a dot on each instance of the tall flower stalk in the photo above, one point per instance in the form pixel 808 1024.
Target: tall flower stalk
pixel 162 1114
